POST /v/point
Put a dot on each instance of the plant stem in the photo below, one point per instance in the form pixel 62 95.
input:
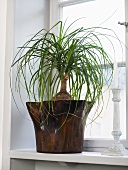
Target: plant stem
pixel 64 83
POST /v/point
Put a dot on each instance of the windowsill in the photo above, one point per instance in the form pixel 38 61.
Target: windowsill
pixel 84 157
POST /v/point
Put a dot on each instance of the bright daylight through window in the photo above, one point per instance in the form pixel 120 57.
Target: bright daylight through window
pixel 103 14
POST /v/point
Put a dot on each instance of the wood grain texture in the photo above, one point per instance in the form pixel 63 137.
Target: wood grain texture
pixel 63 130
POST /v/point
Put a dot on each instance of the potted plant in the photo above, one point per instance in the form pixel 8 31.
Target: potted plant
pixel 76 59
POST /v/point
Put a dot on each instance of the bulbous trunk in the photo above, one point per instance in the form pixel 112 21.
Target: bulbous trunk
pixel 64 84
pixel 63 94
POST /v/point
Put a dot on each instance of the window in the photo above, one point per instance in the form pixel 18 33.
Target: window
pixel 105 14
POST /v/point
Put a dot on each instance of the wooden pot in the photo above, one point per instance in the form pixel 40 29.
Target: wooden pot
pixel 58 128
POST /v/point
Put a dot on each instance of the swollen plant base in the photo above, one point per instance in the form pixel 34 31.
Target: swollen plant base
pixel 59 128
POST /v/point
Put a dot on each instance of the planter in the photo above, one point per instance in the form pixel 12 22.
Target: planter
pixel 63 130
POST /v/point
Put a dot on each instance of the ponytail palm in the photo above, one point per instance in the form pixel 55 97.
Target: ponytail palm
pixel 73 59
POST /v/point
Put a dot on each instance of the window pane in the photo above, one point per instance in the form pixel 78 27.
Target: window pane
pixel 103 125
pixel 105 14
pixel 100 13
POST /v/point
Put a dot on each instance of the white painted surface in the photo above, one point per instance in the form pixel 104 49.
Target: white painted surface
pixel 45 165
pixel 7 94
pixel 85 157
pixel 22 165
pixel 116 149
pixel 3 10
pixel 30 16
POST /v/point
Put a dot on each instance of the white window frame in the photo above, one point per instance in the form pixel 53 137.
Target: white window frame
pixel 55 15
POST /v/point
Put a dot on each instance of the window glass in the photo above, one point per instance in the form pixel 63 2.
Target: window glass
pixel 104 14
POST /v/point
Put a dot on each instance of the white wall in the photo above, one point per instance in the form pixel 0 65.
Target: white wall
pixel 30 16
